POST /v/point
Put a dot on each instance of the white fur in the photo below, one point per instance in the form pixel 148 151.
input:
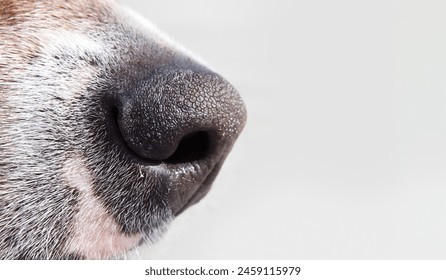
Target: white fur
pixel 96 235
pixel 161 37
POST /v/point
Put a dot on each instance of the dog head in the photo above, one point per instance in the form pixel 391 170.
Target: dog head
pixel 108 130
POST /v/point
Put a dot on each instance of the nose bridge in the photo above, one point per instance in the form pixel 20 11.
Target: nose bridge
pixel 176 102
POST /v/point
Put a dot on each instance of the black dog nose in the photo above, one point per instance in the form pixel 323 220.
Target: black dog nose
pixel 180 115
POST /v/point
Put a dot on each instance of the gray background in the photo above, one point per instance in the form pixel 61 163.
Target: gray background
pixel 344 153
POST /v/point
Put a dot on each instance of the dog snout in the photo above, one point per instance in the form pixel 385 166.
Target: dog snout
pixel 182 122
pixel 180 115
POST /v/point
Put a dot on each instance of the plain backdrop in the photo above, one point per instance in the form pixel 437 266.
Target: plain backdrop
pixel 344 153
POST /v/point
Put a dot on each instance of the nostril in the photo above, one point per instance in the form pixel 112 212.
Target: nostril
pixel 192 147
pixel 114 114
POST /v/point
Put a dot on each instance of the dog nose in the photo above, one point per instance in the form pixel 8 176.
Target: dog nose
pixel 180 115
